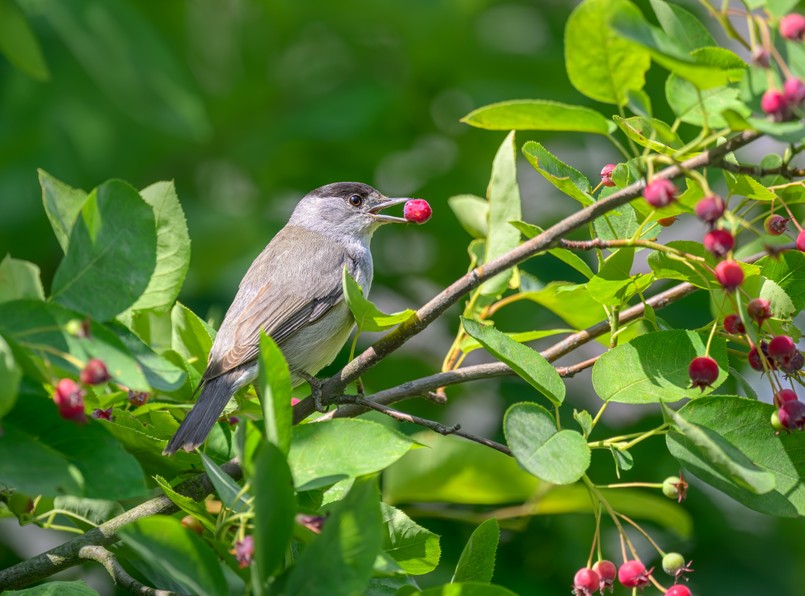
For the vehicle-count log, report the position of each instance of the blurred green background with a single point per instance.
(248, 105)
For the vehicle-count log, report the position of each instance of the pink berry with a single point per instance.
(69, 398)
(792, 26)
(733, 325)
(781, 349)
(730, 275)
(759, 310)
(607, 572)
(794, 90)
(703, 372)
(660, 192)
(719, 242)
(783, 396)
(606, 175)
(585, 582)
(678, 590)
(417, 211)
(801, 241)
(710, 209)
(754, 359)
(94, 373)
(244, 551)
(775, 104)
(792, 415)
(775, 224)
(633, 574)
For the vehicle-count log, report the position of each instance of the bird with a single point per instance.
(293, 292)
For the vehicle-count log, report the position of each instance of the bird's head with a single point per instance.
(345, 208)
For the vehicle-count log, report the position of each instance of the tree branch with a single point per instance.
(336, 384)
(120, 576)
(783, 170)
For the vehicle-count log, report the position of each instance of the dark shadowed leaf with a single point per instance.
(274, 381)
(19, 44)
(10, 376)
(415, 549)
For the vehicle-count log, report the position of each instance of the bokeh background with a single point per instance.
(247, 105)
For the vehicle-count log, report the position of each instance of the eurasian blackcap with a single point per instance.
(292, 291)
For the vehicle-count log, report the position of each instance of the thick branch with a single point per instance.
(120, 576)
(336, 384)
(68, 554)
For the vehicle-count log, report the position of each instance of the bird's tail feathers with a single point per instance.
(204, 414)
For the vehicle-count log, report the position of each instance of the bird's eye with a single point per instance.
(356, 200)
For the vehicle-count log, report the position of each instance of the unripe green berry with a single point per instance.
(672, 562)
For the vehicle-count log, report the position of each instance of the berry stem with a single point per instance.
(637, 527)
(713, 328)
(632, 485)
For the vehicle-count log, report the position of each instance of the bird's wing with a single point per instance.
(281, 294)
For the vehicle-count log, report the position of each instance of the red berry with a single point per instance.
(667, 222)
(759, 310)
(606, 174)
(754, 359)
(585, 582)
(679, 590)
(417, 211)
(719, 242)
(710, 209)
(95, 373)
(734, 325)
(783, 396)
(801, 241)
(781, 349)
(775, 104)
(775, 224)
(792, 26)
(138, 398)
(69, 398)
(794, 90)
(792, 415)
(794, 363)
(607, 572)
(660, 192)
(633, 574)
(703, 372)
(730, 275)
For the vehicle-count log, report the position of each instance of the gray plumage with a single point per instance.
(293, 292)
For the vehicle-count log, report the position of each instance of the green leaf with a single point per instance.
(503, 195)
(340, 560)
(787, 270)
(698, 107)
(723, 457)
(556, 456)
(62, 204)
(468, 589)
(650, 132)
(744, 425)
(19, 279)
(173, 248)
(538, 114)
(18, 43)
(367, 316)
(10, 377)
(571, 302)
(472, 213)
(230, 493)
(274, 380)
(186, 504)
(682, 26)
(274, 511)
(178, 559)
(601, 64)
(567, 179)
(695, 272)
(787, 132)
(705, 67)
(780, 8)
(320, 456)
(585, 421)
(654, 367)
(614, 283)
(155, 88)
(617, 224)
(414, 548)
(62, 457)
(190, 336)
(454, 470)
(566, 256)
(469, 344)
(112, 253)
(477, 560)
(527, 363)
(57, 588)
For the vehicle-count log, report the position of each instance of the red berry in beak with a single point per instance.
(417, 211)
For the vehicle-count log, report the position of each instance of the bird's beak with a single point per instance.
(375, 211)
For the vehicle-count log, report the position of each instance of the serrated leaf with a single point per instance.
(367, 316)
(567, 179)
(477, 560)
(650, 132)
(414, 548)
(527, 363)
(559, 457)
(538, 114)
(698, 107)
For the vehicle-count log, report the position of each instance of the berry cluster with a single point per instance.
(785, 103)
(631, 574)
(69, 395)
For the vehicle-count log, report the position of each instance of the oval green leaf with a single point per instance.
(538, 114)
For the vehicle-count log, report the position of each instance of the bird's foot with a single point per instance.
(315, 391)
